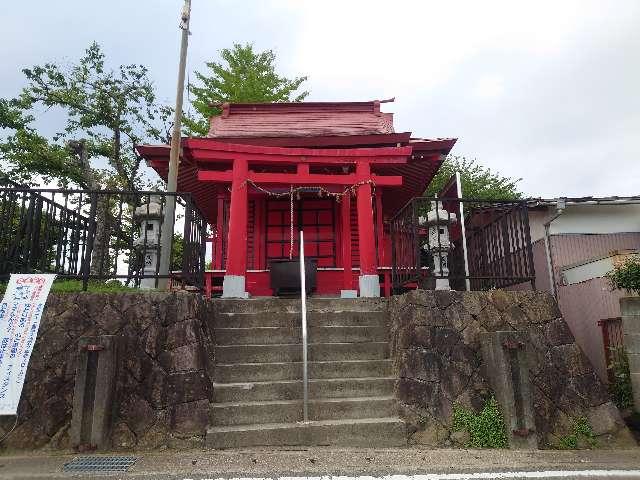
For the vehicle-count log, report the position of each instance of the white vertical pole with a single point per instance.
(303, 296)
(464, 232)
(174, 154)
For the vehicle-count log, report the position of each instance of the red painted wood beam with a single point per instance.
(299, 178)
(207, 156)
(237, 243)
(218, 262)
(215, 176)
(209, 144)
(380, 228)
(328, 141)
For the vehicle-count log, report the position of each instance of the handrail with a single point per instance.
(303, 296)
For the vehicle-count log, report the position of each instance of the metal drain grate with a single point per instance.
(97, 464)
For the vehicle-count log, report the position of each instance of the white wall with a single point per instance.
(598, 219)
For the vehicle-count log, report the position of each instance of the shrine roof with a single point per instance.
(320, 134)
(300, 119)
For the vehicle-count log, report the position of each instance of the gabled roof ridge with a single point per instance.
(229, 108)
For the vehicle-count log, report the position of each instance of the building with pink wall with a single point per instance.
(575, 242)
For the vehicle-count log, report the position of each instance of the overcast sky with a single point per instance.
(546, 91)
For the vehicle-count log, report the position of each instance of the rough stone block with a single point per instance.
(183, 359)
(416, 392)
(557, 332)
(418, 297)
(515, 316)
(188, 387)
(152, 339)
(421, 336)
(137, 413)
(425, 316)
(123, 437)
(502, 300)
(570, 360)
(56, 413)
(190, 418)
(591, 389)
(604, 419)
(421, 365)
(444, 298)
(472, 303)
(154, 386)
(433, 435)
(491, 319)
(540, 307)
(456, 317)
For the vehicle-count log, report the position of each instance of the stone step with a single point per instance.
(279, 305)
(292, 389)
(366, 432)
(280, 335)
(292, 352)
(290, 411)
(264, 372)
(292, 320)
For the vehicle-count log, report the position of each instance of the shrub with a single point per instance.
(486, 429)
(581, 434)
(626, 275)
(620, 386)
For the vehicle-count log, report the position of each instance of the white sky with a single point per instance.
(547, 90)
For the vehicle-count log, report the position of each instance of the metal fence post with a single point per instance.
(91, 233)
(186, 241)
(527, 237)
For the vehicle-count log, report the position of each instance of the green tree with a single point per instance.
(243, 76)
(107, 113)
(110, 110)
(477, 181)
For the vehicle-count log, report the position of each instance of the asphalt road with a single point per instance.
(347, 464)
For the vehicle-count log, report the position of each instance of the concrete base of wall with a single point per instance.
(506, 366)
(233, 286)
(630, 309)
(369, 285)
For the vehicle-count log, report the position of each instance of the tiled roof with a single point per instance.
(305, 119)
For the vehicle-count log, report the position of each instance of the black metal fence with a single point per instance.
(98, 235)
(428, 244)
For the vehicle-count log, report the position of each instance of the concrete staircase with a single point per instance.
(258, 373)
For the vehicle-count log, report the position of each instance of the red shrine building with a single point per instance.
(335, 170)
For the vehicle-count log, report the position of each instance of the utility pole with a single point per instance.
(172, 179)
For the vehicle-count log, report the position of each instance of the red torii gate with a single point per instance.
(242, 157)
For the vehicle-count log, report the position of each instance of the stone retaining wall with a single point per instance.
(165, 378)
(164, 385)
(436, 351)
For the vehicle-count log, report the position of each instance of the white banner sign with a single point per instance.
(20, 313)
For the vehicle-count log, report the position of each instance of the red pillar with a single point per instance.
(380, 229)
(347, 283)
(234, 279)
(369, 282)
(217, 249)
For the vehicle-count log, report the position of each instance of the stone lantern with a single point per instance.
(147, 243)
(438, 222)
